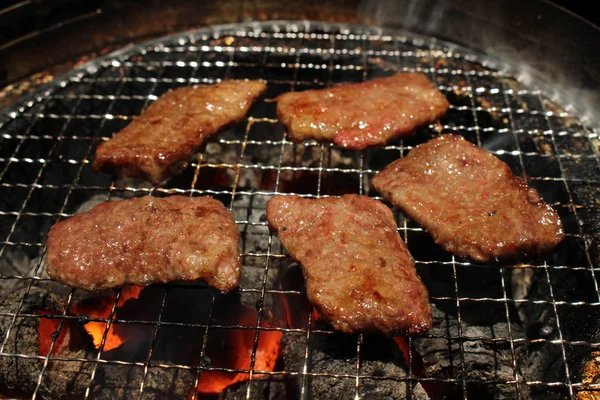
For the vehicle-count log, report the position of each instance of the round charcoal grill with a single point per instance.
(500, 331)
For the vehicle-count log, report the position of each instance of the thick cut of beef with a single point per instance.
(470, 202)
(159, 143)
(360, 115)
(146, 240)
(358, 273)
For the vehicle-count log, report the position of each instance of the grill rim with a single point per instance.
(92, 66)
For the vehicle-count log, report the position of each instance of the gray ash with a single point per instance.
(255, 240)
(17, 261)
(335, 354)
(259, 389)
(19, 376)
(70, 379)
(115, 381)
(544, 360)
(485, 359)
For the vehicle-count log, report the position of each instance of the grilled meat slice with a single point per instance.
(470, 202)
(159, 143)
(358, 273)
(146, 240)
(360, 115)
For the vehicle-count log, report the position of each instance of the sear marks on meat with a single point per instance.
(470, 202)
(360, 115)
(146, 240)
(159, 143)
(358, 273)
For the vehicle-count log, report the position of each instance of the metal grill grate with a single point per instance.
(48, 141)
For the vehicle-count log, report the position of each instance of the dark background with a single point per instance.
(17, 21)
(585, 9)
(36, 35)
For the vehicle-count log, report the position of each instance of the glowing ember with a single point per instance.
(315, 315)
(403, 346)
(235, 352)
(100, 308)
(418, 369)
(46, 328)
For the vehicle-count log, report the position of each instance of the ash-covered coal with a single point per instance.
(19, 376)
(335, 354)
(590, 377)
(260, 389)
(255, 240)
(70, 379)
(21, 258)
(17, 261)
(267, 165)
(309, 159)
(255, 234)
(544, 360)
(114, 381)
(485, 360)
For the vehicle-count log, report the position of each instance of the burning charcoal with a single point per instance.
(95, 201)
(260, 389)
(545, 362)
(233, 348)
(589, 371)
(590, 375)
(19, 376)
(17, 261)
(312, 156)
(484, 360)
(306, 155)
(335, 353)
(255, 239)
(124, 382)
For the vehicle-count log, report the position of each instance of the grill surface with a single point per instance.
(47, 143)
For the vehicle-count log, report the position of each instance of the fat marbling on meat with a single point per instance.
(146, 240)
(160, 142)
(359, 115)
(470, 202)
(358, 272)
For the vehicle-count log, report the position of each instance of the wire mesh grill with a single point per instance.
(516, 313)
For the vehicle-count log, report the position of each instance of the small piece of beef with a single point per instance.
(470, 202)
(358, 273)
(359, 115)
(146, 240)
(159, 143)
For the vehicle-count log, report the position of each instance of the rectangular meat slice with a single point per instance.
(358, 272)
(359, 115)
(146, 240)
(470, 202)
(159, 143)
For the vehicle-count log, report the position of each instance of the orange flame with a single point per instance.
(101, 309)
(315, 315)
(237, 353)
(434, 390)
(46, 328)
(403, 346)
